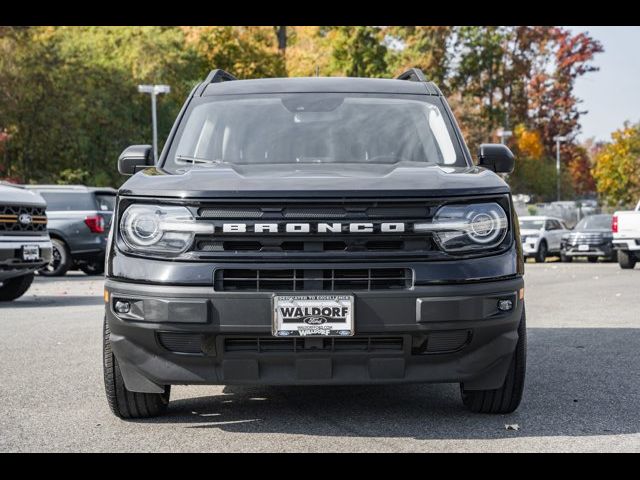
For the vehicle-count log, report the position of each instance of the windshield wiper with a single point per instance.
(198, 160)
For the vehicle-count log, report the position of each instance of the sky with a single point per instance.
(612, 94)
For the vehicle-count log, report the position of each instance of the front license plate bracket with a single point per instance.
(313, 315)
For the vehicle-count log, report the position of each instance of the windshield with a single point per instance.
(314, 128)
(531, 224)
(595, 222)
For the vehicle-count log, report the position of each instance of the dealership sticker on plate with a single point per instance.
(313, 315)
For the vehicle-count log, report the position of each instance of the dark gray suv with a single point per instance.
(314, 231)
(79, 219)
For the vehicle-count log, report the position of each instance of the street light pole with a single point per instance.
(154, 90)
(558, 139)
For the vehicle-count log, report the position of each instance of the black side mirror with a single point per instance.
(134, 158)
(496, 157)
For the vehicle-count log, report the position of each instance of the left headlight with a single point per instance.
(159, 228)
(458, 228)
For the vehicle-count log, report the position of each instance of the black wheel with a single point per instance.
(541, 254)
(565, 258)
(15, 287)
(506, 398)
(92, 268)
(60, 260)
(124, 403)
(592, 259)
(626, 259)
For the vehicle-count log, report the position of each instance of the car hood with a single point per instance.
(528, 231)
(313, 180)
(19, 196)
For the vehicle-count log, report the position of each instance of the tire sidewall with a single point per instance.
(59, 247)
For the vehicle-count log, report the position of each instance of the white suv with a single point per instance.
(541, 236)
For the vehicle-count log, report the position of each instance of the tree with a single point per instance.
(247, 52)
(358, 52)
(424, 47)
(617, 167)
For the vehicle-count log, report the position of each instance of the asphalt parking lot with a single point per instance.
(582, 391)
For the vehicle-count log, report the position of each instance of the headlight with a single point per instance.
(478, 226)
(159, 229)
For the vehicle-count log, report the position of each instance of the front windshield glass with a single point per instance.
(531, 224)
(595, 222)
(314, 128)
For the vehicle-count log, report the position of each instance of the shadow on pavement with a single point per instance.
(579, 382)
(32, 301)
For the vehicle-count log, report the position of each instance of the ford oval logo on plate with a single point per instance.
(314, 320)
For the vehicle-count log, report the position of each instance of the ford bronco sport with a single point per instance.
(314, 231)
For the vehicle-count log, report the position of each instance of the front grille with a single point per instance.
(273, 280)
(298, 344)
(585, 239)
(10, 219)
(318, 244)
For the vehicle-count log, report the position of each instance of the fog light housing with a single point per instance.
(122, 307)
(505, 305)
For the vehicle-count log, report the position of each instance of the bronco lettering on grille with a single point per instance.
(319, 227)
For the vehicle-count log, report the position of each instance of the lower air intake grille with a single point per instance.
(364, 279)
(352, 344)
(181, 342)
(444, 341)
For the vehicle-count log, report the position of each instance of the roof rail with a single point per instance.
(218, 75)
(413, 75)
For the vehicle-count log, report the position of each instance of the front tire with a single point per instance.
(60, 260)
(15, 287)
(505, 399)
(92, 268)
(565, 258)
(125, 403)
(626, 260)
(541, 254)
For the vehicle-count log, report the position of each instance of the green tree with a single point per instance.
(358, 52)
(424, 47)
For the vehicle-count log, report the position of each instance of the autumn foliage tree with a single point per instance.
(69, 102)
(617, 167)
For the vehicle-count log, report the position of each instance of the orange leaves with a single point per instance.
(617, 167)
(529, 142)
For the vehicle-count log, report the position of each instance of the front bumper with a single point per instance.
(602, 250)
(530, 247)
(628, 244)
(194, 335)
(11, 262)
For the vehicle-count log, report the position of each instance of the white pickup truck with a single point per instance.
(626, 236)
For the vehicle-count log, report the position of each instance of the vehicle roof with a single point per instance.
(320, 84)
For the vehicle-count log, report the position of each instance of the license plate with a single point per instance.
(313, 315)
(30, 252)
(583, 248)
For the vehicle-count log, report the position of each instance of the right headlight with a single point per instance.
(477, 226)
(159, 228)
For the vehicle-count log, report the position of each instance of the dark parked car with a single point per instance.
(79, 219)
(314, 231)
(24, 242)
(591, 238)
